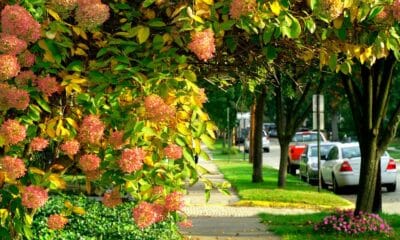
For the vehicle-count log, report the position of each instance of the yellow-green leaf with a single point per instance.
(143, 34)
(275, 8)
(54, 14)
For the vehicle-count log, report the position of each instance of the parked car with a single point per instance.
(265, 142)
(309, 161)
(271, 129)
(297, 146)
(342, 167)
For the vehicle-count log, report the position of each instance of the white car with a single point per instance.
(265, 142)
(342, 165)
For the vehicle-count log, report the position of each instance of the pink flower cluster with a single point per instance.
(112, 199)
(9, 66)
(26, 59)
(56, 222)
(70, 147)
(131, 160)
(186, 224)
(11, 44)
(16, 20)
(24, 77)
(91, 130)
(11, 97)
(116, 139)
(203, 44)
(173, 152)
(345, 221)
(13, 167)
(12, 131)
(64, 6)
(396, 9)
(93, 175)
(48, 85)
(174, 202)
(146, 214)
(241, 7)
(34, 197)
(89, 162)
(91, 14)
(157, 109)
(38, 144)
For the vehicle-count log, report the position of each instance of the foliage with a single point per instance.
(296, 227)
(98, 222)
(349, 223)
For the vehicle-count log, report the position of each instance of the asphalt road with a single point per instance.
(391, 200)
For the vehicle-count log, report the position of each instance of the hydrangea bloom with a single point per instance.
(89, 16)
(157, 109)
(9, 66)
(24, 77)
(116, 139)
(12, 131)
(173, 152)
(241, 7)
(157, 190)
(64, 7)
(34, 197)
(186, 224)
(16, 20)
(159, 211)
(91, 130)
(131, 160)
(174, 201)
(11, 97)
(14, 167)
(48, 85)
(144, 214)
(203, 44)
(26, 59)
(56, 222)
(11, 44)
(89, 162)
(112, 199)
(396, 9)
(38, 144)
(93, 175)
(331, 9)
(87, 2)
(70, 147)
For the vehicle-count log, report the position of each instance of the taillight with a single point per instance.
(391, 165)
(345, 167)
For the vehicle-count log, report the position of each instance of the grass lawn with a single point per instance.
(300, 227)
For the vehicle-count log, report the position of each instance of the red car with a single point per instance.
(298, 145)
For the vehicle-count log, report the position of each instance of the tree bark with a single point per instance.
(258, 128)
(252, 131)
(283, 164)
(335, 126)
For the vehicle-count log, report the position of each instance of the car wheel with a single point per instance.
(267, 150)
(391, 187)
(292, 170)
(336, 188)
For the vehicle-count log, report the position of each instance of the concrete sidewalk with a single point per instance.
(217, 219)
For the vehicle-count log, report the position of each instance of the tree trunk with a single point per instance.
(252, 131)
(258, 128)
(283, 164)
(335, 126)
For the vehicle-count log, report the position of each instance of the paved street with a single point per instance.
(391, 200)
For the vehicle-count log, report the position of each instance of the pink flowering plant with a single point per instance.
(347, 223)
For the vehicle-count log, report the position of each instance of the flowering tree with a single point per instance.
(97, 86)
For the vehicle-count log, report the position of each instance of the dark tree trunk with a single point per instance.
(252, 131)
(335, 126)
(283, 164)
(258, 128)
(369, 95)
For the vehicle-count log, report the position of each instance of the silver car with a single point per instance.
(342, 167)
(309, 161)
(265, 142)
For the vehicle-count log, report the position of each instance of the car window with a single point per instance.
(324, 150)
(351, 152)
(305, 137)
(333, 154)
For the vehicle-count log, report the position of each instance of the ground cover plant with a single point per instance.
(296, 227)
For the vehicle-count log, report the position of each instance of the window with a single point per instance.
(351, 152)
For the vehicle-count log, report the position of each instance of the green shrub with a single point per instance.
(99, 222)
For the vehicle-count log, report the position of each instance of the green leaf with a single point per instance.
(291, 27)
(267, 34)
(375, 11)
(76, 66)
(345, 68)
(34, 112)
(156, 23)
(143, 34)
(310, 25)
(333, 62)
(363, 12)
(227, 25)
(270, 52)
(190, 75)
(187, 155)
(43, 104)
(147, 3)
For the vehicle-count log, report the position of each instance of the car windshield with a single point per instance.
(351, 152)
(324, 150)
(305, 137)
